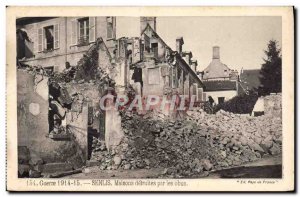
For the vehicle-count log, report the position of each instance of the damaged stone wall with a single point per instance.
(88, 95)
(153, 78)
(273, 105)
(33, 126)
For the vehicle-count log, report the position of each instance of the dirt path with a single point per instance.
(269, 167)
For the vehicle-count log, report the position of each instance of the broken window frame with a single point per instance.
(154, 49)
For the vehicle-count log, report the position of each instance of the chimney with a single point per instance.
(194, 64)
(179, 43)
(147, 20)
(216, 52)
(187, 55)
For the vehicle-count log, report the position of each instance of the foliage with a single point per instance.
(241, 104)
(271, 70)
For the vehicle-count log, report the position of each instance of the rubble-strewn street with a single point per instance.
(134, 103)
(193, 146)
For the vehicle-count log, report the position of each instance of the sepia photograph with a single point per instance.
(151, 100)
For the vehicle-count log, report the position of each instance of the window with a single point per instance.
(221, 100)
(153, 76)
(154, 49)
(174, 78)
(110, 27)
(83, 31)
(48, 38)
(147, 43)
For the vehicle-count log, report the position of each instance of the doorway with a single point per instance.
(221, 100)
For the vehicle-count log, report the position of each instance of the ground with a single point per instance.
(269, 167)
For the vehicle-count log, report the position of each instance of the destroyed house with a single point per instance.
(58, 119)
(59, 113)
(154, 68)
(50, 42)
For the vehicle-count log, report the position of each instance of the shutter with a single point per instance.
(40, 39)
(109, 19)
(92, 29)
(114, 27)
(74, 32)
(56, 36)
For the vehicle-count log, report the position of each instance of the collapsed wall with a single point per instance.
(35, 147)
(195, 145)
(273, 104)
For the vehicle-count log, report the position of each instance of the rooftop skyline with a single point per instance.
(242, 40)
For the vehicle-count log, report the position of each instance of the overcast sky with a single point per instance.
(241, 39)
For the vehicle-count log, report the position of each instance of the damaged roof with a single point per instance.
(178, 56)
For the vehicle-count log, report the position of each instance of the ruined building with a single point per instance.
(221, 82)
(65, 65)
(155, 68)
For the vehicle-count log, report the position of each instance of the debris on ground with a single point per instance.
(192, 146)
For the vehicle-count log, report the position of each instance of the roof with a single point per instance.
(219, 85)
(29, 20)
(249, 79)
(216, 69)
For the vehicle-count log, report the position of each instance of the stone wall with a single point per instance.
(153, 84)
(33, 127)
(273, 104)
(227, 94)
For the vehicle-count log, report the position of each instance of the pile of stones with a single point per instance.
(192, 146)
(29, 163)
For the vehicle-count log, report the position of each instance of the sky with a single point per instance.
(242, 40)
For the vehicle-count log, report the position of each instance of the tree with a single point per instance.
(270, 74)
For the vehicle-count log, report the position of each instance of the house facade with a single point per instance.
(157, 69)
(221, 82)
(51, 42)
(146, 62)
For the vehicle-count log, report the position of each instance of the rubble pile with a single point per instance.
(29, 164)
(193, 146)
